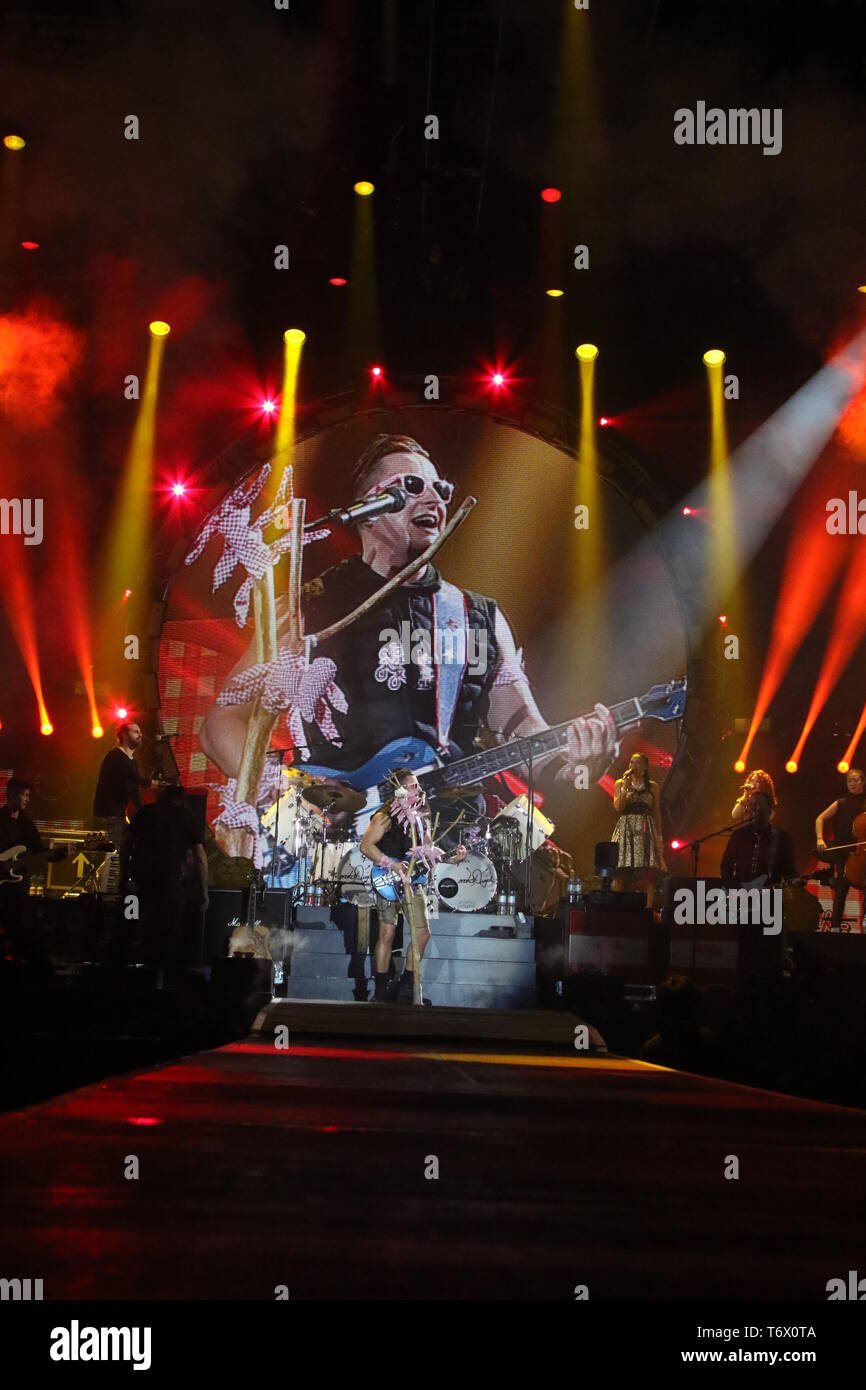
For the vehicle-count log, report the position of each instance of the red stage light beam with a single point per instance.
(811, 567)
(849, 627)
(18, 600)
(848, 755)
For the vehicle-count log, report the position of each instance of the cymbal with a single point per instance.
(334, 798)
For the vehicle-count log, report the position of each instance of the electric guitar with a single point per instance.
(661, 702)
(9, 858)
(389, 884)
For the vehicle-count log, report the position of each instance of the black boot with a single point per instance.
(381, 993)
(405, 988)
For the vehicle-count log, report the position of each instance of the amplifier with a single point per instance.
(624, 943)
(627, 902)
(730, 954)
(88, 868)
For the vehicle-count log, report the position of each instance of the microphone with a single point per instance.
(393, 499)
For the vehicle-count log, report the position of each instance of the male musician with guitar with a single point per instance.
(759, 850)
(398, 840)
(843, 812)
(388, 699)
(17, 830)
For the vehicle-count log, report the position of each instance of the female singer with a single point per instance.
(638, 829)
(757, 783)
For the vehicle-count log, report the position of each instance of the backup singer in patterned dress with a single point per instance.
(638, 829)
(402, 829)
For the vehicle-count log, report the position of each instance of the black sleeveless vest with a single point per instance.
(390, 698)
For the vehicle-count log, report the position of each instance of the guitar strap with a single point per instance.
(450, 619)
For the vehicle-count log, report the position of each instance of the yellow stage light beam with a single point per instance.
(363, 332)
(293, 341)
(724, 563)
(127, 561)
(587, 521)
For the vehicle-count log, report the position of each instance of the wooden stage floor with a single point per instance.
(306, 1168)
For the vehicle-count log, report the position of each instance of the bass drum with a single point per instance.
(355, 885)
(466, 887)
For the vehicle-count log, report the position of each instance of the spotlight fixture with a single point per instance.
(551, 195)
(364, 188)
(268, 407)
(30, 245)
(47, 728)
(714, 357)
(843, 766)
(97, 731)
(739, 765)
(121, 712)
(586, 352)
(723, 618)
(676, 844)
(376, 372)
(603, 421)
(337, 280)
(127, 593)
(159, 328)
(688, 511)
(791, 765)
(14, 142)
(179, 489)
(294, 337)
(554, 294)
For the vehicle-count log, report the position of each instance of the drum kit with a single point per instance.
(315, 851)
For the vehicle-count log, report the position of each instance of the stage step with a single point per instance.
(463, 969)
(463, 996)
(308, 945)
(477, 1024)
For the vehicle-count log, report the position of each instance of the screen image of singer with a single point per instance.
(202, 646)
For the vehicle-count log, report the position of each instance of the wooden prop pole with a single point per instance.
(262, 722)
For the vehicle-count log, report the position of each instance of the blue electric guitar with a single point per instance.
(662, 702)
(388, 883)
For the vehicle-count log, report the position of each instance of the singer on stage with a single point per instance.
(758, 783)
(380, 695)
(638, 830)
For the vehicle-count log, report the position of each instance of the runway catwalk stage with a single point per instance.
(380, 1168)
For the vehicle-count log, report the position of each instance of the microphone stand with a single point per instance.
(695, 845)
(277, 753)
(530, 792)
